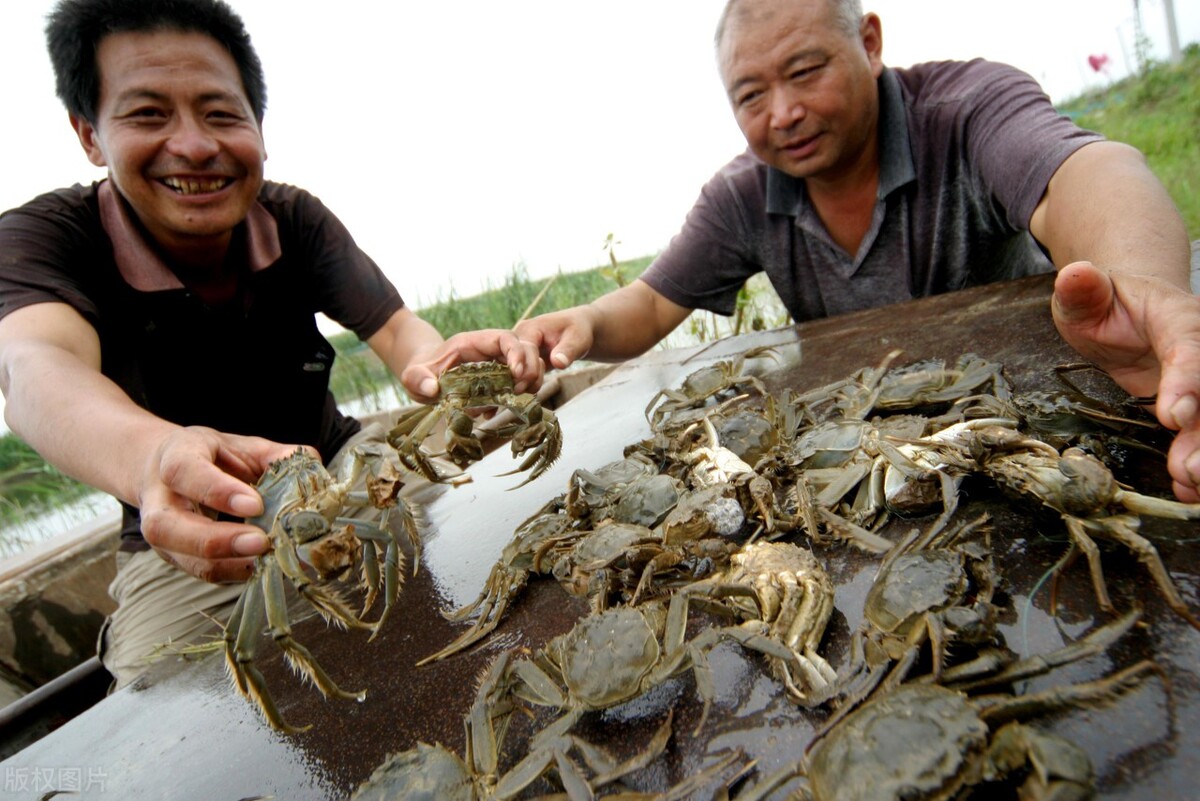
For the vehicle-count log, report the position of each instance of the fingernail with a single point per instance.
(1183, 411)
(246, 505)
(429, 387)
(559, 358)
(251, 544)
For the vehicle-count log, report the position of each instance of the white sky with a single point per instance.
(457, 139)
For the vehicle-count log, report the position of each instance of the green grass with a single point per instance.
(29, 486)
(1158, 112)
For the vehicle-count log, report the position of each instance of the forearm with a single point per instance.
(404, 338)
(628, 322)
(1105, 206)
(77, 419)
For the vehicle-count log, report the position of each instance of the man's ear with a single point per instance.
(88, 139)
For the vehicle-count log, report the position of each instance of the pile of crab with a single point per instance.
(720, 508)
(324, 528)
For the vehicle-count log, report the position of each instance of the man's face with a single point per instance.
(177, 133)
(802, 90)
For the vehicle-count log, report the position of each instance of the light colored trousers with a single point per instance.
(161, 608)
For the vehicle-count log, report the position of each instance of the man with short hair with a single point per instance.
(157, 328)
(865, 185)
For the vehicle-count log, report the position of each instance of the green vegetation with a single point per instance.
(1157, 111)
(30, 487)
(358, 373)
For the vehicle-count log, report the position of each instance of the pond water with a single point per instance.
(16, 538)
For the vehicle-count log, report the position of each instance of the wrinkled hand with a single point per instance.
(197, 469)
(561, 337)
(420, 379)
(1145, 333)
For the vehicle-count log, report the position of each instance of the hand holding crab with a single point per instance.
(301, 503)
(473, 386)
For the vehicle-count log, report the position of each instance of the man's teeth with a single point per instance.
(190, 187)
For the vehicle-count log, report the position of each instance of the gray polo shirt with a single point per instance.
(966, 149)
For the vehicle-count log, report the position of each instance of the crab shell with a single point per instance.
(607, 658)
(918, 742)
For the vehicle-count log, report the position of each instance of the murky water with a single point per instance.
(15, 539)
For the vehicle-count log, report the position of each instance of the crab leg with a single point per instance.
(329, 604)
(297, 655)
(247, 621)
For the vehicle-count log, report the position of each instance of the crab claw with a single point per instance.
(462, 446)
(406, 436)
(541, 438)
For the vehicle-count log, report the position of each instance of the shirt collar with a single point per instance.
(786, 195)
(142, 267)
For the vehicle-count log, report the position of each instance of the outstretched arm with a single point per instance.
(620, 325)
(1122, 297)
(61, 405)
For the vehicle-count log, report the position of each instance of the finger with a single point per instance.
(219, 571)
(1083, 296)
(247, 458)
(189, 534)
(572, 345)
(201, 481)
(1183, 462)
(524, 362)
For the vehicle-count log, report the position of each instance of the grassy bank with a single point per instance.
(1158, 112)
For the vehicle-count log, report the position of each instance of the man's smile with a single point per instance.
(195, 186)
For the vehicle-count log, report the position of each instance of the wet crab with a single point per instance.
(1075, 484)
(617, 655)
(704, 384)
(930, 742)
(434, 771)
(301, 504)
(478, 385)
(934, 587)
(710, 464)
(781, 593)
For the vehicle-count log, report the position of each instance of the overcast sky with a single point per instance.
(458, 139)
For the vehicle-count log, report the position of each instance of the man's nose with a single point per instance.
(787, 108)
(191, 140)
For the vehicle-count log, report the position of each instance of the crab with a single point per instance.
(782, 594)
(929, 743)
(602, 564)
(934, 587)
(614, 656)
(705, 384)
(1092, 504)
(505, 581)
(301, 505)
(472, 386)
(711, 464)
(434, 771)
(1077, 485)
(932, 742)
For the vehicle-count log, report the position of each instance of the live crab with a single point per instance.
(302, 504)
(478, 385)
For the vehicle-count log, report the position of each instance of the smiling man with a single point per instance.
(865, 185)
(158, 337)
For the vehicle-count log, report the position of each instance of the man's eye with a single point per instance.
(747, 98)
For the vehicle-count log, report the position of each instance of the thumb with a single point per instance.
(420, 382)
(1083, 295)
(573, 345)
